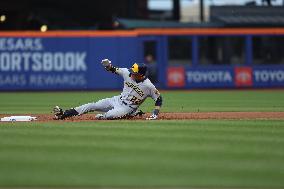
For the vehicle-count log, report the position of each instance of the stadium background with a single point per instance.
(224, 46)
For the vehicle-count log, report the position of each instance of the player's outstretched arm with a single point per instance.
(108, 66)
(156, 111)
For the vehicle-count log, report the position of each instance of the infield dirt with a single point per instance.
(179, 116)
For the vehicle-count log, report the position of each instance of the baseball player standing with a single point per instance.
(137, 87)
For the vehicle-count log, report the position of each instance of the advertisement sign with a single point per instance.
(63, 63)
(176, 77)
(268, 76)
(206, 78)
(73, 63)
(226, 77)
(243, 77)
(43, 63)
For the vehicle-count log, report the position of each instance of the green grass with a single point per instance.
(185, 153)
(162, 153)
(174, 101)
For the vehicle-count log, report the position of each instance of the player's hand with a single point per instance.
(152, 117)
(106, 62)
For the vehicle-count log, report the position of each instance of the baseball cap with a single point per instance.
(138, 68)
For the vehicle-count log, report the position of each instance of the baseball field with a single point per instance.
(204, 139)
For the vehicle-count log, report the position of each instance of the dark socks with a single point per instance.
(69, 113)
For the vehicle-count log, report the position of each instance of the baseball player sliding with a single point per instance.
(137, 87)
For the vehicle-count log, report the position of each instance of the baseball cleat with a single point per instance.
(58, 113)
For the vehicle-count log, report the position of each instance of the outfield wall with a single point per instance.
(71, 60)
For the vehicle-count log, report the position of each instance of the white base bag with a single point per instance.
(19, 118)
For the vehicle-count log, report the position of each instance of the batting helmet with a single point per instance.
(138, 68)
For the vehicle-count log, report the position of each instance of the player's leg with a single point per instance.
(126, 115)
(117, 112)
(102, 105)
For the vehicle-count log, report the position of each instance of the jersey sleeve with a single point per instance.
(123, 72)
(154, 93)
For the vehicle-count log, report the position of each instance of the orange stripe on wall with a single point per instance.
(213, 31)
(141, 32)
(68, 34)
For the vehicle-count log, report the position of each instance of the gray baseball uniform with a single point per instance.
(133, 95)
